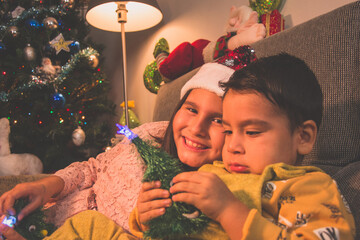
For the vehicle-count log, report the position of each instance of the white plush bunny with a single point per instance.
(15, 164)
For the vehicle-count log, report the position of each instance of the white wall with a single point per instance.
(184, 20)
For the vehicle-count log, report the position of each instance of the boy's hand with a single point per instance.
(204, 190)
(152, 202)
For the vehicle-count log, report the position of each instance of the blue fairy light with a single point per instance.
(124, 130)
(33, 23)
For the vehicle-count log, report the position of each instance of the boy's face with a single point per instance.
(257, 134)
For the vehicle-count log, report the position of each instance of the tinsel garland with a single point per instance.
(65, 70)
(265, 6)
(34, 12)
(161, 166)
(69, 66)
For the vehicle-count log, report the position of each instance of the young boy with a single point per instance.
(272, 110)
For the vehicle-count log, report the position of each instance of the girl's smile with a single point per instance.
(194, 145)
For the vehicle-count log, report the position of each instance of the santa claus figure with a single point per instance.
(47, 71)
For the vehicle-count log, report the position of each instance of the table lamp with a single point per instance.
(110, 15)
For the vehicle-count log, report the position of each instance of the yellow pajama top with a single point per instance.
(286, 202)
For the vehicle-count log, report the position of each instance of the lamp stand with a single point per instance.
(122, 19)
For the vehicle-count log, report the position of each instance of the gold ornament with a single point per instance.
(14, 31)
(50, 23)
(93, 60)
(78, 136)
(44, 232)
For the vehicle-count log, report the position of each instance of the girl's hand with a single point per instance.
(152, 202)
(33, 191)
(38, 193)
(8, 232)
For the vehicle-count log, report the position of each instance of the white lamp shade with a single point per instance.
(141, 15)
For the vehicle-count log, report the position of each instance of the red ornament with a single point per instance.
(274, 22)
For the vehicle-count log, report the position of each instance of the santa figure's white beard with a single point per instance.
(48, 68)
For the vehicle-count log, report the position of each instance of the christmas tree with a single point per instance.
(52, 88)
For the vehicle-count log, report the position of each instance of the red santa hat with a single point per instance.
(210, 74)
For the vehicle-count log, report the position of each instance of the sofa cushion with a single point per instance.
(8, 182)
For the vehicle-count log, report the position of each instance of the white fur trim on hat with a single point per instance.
(208, 77)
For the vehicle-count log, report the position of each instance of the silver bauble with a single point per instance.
(50, 23)
(14, 31)
(78, 136)
(29, 53)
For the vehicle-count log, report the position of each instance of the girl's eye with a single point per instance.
(218, 120)
(193, 110)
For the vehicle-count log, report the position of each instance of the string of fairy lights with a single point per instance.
(89, 53)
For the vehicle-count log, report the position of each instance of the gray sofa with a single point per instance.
(329, 44)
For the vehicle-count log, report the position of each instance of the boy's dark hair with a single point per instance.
(287, 82)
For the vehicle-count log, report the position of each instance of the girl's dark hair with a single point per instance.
(168, 143)
(285, 81)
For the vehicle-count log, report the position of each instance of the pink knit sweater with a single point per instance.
(109, 183)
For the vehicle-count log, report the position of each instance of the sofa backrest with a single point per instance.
(168, 97)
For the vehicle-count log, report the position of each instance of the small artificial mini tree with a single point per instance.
(180, 219)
